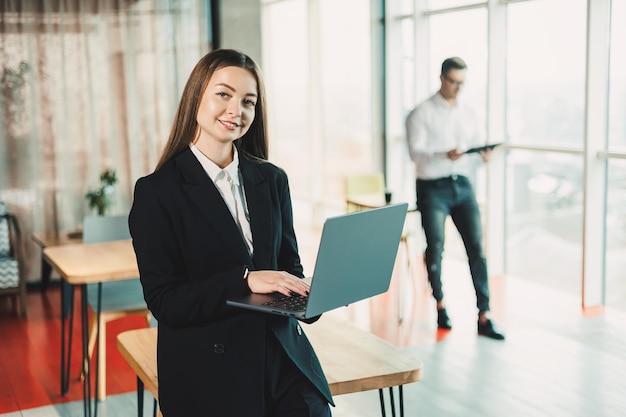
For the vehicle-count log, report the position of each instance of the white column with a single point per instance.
(315, 118)
(496, 131)
(594, 182)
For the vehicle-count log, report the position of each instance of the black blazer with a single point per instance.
(191, 258)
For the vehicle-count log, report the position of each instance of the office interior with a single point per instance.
(90, 86)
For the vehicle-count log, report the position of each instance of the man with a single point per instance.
(439, 131)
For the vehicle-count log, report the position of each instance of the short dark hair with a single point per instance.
(452, 63)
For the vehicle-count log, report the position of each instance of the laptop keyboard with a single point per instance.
(290, 303)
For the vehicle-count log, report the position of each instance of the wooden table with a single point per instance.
(353, 360)
(44, 240)
(81, 264)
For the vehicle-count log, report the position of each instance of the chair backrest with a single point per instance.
(105, 228)
(5, 233)
(372, 183)
(117, 295)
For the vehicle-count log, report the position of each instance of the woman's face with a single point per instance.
(227, 107)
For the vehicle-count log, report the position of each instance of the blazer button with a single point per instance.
(299, 329)
(218, 348)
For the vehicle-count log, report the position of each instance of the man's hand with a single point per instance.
(486, 155)
(454, 154)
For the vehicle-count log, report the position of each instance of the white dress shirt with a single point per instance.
(228, 182)
(433, 128)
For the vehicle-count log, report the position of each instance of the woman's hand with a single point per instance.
(265, 282)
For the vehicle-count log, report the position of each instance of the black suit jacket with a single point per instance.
(191, 258)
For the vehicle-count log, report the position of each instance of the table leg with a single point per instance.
(382, 402)
(67, 309)
(139, 397)
(392, 401)
(46, 273)
(96, 350)
(85, 341)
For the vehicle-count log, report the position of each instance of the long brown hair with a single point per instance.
(184, 129)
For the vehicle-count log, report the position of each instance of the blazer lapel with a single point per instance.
(202, 192)
(258, 197)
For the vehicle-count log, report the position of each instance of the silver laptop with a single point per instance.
(355, 261)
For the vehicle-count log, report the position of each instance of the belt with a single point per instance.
(453, 177)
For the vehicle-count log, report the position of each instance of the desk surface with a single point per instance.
(353, 359)
(96, 262)
(62, 238)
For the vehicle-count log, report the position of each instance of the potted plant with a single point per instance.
(100, 198)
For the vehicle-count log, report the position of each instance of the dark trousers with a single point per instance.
(453, 196)
(288, 393)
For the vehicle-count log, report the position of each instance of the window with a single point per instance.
(617, 90)
(546, 73)
(445, 4)
(287, 76)
(319, 84)
(544, 218)
(615, 245)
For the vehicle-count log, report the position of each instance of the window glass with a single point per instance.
(404, 6)
(546, 72)
(407, 68)
(319, 91)
(616, 234)
(616, 195)
(544, 218)
(617, 90)
(400, 77)
(285, 68)
(444, 4)
(346, 94)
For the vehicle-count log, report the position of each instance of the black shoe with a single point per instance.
(488, 329)
(443, 321)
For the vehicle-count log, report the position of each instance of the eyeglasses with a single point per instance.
(454, 82)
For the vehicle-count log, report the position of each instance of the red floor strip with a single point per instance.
(30, 358)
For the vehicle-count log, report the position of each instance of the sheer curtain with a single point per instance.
(87, 86)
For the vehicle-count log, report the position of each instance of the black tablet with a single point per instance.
(483, 148)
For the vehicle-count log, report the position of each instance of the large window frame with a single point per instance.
(595, 152)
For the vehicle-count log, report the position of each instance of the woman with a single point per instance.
(214, 221)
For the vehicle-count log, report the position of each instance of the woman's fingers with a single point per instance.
(292, 284)
(277, 281)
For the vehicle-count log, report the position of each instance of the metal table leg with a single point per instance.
(85, 342)
(67, 309)
(392, 401)
(139, 397)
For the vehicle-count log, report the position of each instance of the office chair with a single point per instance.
(119, 298)
(366, 191)
(11, 281)
(366, 186)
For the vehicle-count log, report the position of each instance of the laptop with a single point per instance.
(355, 260)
